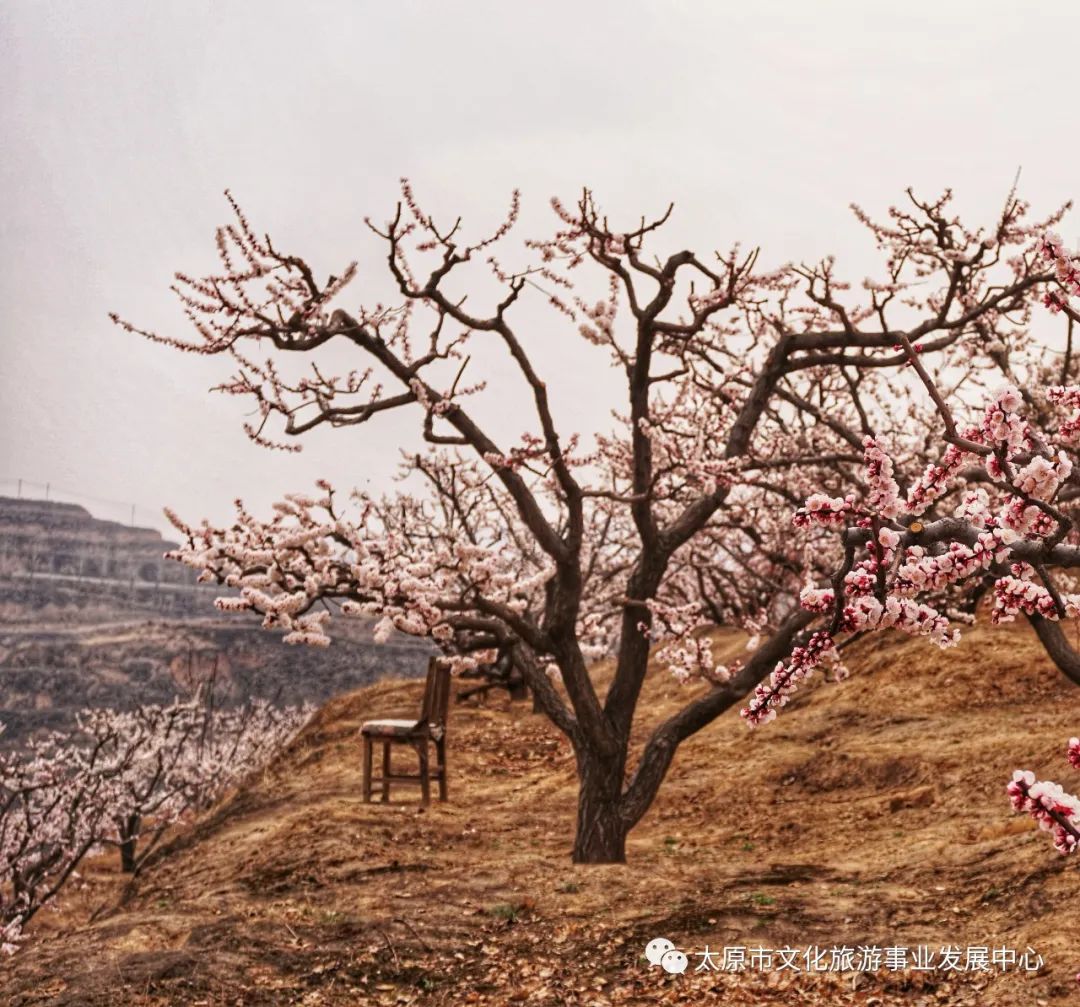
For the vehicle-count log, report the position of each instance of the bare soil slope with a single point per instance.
(872, 812)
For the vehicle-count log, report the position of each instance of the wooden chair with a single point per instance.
(431, 726)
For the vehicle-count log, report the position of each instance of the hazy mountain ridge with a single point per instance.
(91, 614)
(46, 536)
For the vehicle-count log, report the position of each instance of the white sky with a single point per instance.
(121, 122)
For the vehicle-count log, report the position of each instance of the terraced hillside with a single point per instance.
(91, 614)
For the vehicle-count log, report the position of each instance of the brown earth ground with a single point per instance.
(872, 812)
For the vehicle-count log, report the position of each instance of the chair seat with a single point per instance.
(391, 728)
(390, 733)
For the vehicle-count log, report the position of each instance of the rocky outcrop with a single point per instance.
(91, 614)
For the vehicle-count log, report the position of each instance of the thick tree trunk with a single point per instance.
(1057, 645)
(129, 837)
(601, 827)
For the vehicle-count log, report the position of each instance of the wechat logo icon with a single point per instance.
(660, 951)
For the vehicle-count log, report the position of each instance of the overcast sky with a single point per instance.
(122, 122)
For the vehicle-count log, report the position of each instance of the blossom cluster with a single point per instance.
(771, 696)
(1055, 811)
(685, 647)
(1066, 270)
(392, 562)
(903, 584)
(824, 511)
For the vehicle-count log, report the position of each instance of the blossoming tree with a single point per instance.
(53, 805)
(743, 391)
(119, 778)
(167, 761)
(994, 514)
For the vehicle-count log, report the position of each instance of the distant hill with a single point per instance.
(59, 563)
(91, 614)
(43, 536)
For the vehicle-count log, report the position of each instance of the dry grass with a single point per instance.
(871, 812)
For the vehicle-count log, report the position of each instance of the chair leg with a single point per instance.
(367, 768)
(440, 752)
(386, 771)
(425, 772)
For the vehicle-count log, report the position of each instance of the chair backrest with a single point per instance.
(436, 693)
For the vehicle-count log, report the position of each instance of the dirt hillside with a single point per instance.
(871, 813)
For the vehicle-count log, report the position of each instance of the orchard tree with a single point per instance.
(994, 514)
(147, 746)
(744, 390)
(53, 807)
(119, 778)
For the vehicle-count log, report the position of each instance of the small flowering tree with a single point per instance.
(994, 514)
(53, 806)
(744, 390)
(167, 761)
(118, 779)
(1008, 483)
(1055, 810)
(145, 746)
(1009, 529)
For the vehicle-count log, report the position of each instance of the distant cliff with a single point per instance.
(60, 564)
(42, 536)
(91, 614)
